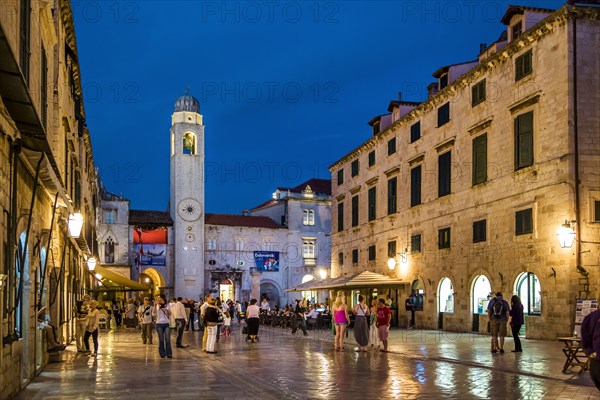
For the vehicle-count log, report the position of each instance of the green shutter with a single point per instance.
(480, 159)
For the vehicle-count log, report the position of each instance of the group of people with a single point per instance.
(371, 324)
(499, 314)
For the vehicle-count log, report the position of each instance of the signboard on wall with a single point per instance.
(266, 260)
(151, 254)
(583, 308)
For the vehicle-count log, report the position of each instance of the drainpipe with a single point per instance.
(573, 14)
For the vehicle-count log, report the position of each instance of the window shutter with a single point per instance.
(392, 195)
(355, 211)
(340, 218)
(444, 162)
(524, 140)
(372, 203)
(415, 186)
(480, 159)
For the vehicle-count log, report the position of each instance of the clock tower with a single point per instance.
(187, 197)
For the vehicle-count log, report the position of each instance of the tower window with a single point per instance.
(109, 251)
(189, 143)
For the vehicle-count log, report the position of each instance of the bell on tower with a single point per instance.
(189, 143)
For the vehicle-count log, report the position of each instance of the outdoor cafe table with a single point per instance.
(573, 352)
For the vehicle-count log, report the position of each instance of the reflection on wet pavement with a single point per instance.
(421, 366)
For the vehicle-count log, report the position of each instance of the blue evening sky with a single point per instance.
(286, 88)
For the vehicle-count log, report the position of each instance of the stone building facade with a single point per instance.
(47, 174)
(466, 190)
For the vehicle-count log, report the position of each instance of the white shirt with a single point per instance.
(178, 310)
(162, 316)
(203, 308)
(313, 313)
(265, 306)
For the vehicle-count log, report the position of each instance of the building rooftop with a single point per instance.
(513, 10)
(149, 218)
(241, 220)
(318, 186)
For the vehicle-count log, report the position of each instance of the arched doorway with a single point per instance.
(310, 295)
(529, 290)
(226, 290)
(445, 300)
(480, 297)
(269, 291)
(418, 291)
(154, 280)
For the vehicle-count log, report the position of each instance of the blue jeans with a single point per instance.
(164, 340)
(180, 323)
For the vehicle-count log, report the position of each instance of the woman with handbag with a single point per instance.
(163, 321)
(341, 320)
(252, 320)
(212, 318)
(361, 324)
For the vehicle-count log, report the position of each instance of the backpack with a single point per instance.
(498, 309)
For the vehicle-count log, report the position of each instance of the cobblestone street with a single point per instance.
(421, 365)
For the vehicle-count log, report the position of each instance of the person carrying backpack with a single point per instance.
(498, 311)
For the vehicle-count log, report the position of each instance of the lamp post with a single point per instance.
(323, 274)
(75, 223)
(391, 263)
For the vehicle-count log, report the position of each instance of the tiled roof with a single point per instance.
(318, 186)
(241, 220)
(266, 203)
(396, 103)
(513, 10)
(148, 218)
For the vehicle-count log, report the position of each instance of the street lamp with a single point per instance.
(98, 276)
(566, 235)
(75, 223)
(391, 263)
(323, 274)
(91, 263)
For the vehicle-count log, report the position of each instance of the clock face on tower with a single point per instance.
(189, 210)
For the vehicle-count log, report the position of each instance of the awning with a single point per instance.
(112, 280)
(366, 279)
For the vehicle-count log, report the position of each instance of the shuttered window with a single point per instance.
(524, 140)
(415, 244)
(443, 114)
(392, 249)
(44, 87)
(355, 211)
(371, 158)
(478, 93)
(355, 256)
(340, 177)
(444, 238)
(372, 204)
(25, 38)
(444, 174)
(524, 222)
(372, 253)
(354, 168)
(391, 146)
(480, 159)
(415, 132)
(340, 259)
(479, 231)
(340, 217)
(523, 65)
(392, 195)
(415, 186)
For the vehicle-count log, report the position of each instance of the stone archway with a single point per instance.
(271, 292)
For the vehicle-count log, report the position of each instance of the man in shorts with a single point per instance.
(384, 318)
(498, 312)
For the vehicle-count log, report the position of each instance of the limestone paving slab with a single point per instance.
(421, 365)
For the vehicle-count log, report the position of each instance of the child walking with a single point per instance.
(227, 324)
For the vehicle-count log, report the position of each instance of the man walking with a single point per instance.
(146, 315)
(81, 313)
(299, 320)
(203, 308)
(590, 341)
(410, 308)
(384, 319)
(498, 311)
(181, 319)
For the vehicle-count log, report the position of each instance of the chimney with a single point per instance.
(432, 89)
(245, 213)
(482, 47)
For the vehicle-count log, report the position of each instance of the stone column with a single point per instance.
(255, 289)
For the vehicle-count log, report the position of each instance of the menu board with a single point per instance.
(584, 307)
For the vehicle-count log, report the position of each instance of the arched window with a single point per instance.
(446, 296)
(310, 295)
(308, 217)
(189, 143)
(109, 251)
(308, 249)
(481, 294)
(417, 292)
(527, 287)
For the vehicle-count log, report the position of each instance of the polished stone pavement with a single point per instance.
(421, 365)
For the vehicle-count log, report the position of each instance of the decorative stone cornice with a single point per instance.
(416, 159)
(355, 189)
(481, 125)
(445, 144)
(525, 102)
(392, 171)
(535, 33)
(372, 181)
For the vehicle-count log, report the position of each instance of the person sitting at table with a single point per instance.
(590, 342)
(52, 345)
